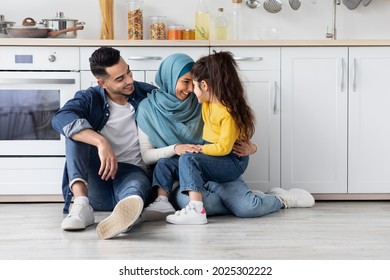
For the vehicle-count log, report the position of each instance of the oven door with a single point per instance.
(28, 101)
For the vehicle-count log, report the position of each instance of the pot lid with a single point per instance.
(3, 21)
(29, 23)
(60, 17)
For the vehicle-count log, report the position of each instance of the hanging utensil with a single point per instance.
(351, 4)
(294, 4)
(272, 6)
(253, 4)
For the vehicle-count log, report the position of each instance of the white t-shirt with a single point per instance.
(122, 133)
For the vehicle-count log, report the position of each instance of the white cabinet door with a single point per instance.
(263, 91)
(314, 119)
(260, 73)
(369, 117)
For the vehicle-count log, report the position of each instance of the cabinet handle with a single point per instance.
(354, 75)
(25, 81)
(342, 74)
(275, 98)
(237, 58)
(145, 58)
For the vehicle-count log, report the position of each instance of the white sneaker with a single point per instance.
(158, 210)
(124, 215)
(188, 216)
(80, 216)
(293, 198)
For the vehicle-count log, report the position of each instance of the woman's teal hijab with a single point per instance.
(162, 116)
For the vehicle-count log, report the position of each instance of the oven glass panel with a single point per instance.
(27, 114)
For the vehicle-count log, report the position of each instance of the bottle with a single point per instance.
(236, 20)
(221, 25)
(202, 21)
(135, 20)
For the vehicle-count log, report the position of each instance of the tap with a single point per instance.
(332, 34)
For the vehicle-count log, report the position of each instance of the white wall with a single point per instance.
(309, 22)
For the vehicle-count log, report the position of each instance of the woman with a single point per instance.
(170, 124)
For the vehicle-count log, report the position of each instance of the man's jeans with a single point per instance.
(83, 163)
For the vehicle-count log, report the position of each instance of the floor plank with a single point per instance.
(342, 230)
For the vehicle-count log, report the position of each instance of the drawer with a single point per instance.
(144, 58)
(31, 176)
(255, 58)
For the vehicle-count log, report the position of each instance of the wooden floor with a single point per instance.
(330, 230)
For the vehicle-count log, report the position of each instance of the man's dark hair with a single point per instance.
(101, 59)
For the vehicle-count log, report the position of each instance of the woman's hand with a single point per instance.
(187, 148)
(244, 148)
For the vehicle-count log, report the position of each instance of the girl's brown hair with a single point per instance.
(219, 71)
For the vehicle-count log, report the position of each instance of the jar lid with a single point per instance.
(237, 1)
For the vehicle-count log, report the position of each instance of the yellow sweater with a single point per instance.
(219, 129)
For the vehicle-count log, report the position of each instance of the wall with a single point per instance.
(308, 22)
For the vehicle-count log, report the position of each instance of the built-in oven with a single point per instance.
(34, 83)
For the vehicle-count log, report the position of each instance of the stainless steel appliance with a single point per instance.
(34, 84)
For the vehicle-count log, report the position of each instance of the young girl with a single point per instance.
(227, 118)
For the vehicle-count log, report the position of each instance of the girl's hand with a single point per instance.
(244, 148)
(187, 148)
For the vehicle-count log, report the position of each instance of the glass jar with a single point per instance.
(188, 34)
(158, 29)
(175, 32)
(135, 20)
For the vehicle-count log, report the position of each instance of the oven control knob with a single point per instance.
(52, 58)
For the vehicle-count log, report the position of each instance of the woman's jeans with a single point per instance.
(83, 162)
(230, 198)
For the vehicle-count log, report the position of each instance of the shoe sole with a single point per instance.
(124, 215)
(187, 222)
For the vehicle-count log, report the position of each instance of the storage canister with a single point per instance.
(175, 32)
(135, 20)
(158, 29)
(188, 34)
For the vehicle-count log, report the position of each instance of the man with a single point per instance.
(104, 168)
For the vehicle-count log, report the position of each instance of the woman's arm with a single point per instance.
(151, 154)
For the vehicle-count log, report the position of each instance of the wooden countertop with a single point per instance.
(185, 43)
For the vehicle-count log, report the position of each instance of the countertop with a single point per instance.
(187, 43)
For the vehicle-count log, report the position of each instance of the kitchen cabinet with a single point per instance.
(314, 119)
(335, 104)
(369, 115)
(259, 69)
(143, 61)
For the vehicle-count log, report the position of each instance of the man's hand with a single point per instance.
(108, 161)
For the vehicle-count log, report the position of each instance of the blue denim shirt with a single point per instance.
(89, 109)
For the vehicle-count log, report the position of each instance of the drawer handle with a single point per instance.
(248, 58)
(38, 81)
(145, 58)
